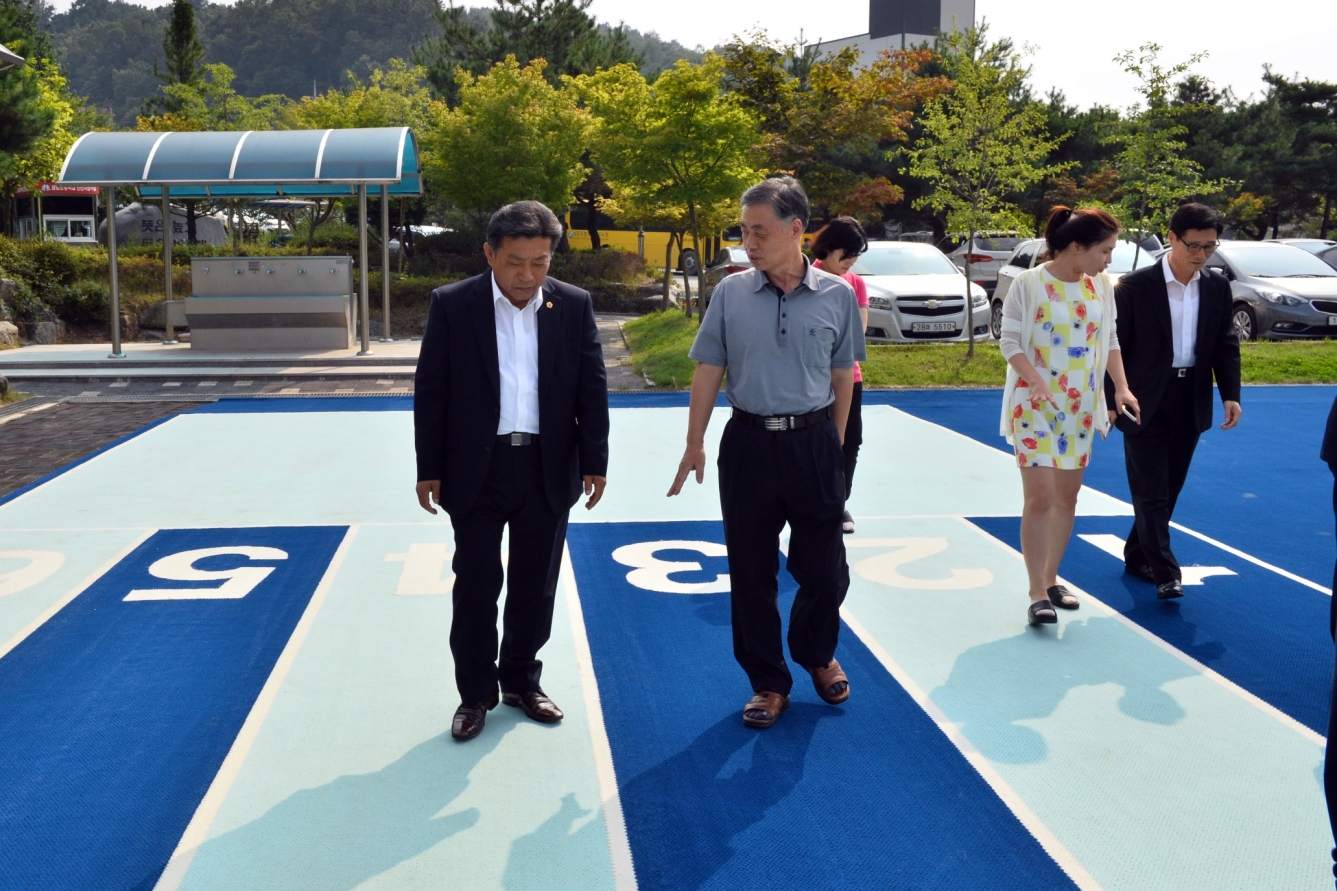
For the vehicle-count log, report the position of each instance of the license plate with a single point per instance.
(1332, 320)
(933, 326)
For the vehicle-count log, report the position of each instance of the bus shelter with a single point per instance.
(252, 164)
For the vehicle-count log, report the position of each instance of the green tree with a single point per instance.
(680, 143)
(512, 137)
(1154, 172)
(980, 150)
(560, 32)
(181, 47)
(393, 97)
(25, 117)
(830, 121)
(1311, 109)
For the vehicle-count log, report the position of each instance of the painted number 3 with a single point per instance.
(653, 574)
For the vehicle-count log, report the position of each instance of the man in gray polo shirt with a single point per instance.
(788, 335)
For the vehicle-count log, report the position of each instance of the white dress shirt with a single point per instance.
(1183, 315)
(517, 361)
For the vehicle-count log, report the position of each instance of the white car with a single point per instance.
(915, 294)
(419, 232)
(1127, 257)
(987, 254)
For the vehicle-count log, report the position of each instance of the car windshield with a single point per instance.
(1276, 261)
(1122, 261)
(904, 259)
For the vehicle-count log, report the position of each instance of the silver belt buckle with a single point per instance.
(517, 439)
(778, 423)
(1183, 372)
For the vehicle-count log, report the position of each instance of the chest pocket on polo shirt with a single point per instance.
(817, 345)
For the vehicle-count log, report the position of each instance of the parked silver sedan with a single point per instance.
(987, 254)
(1127, 257)
(1280, 291)
(915, 294)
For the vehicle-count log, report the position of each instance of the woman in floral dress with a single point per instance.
(1059, 340)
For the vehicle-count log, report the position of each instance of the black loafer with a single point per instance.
(1169, 590)
(536, 705)
(1142, 571)
(470, 718)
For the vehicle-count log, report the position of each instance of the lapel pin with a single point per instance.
(548, 304)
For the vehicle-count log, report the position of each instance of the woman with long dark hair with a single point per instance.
(835, 249)
(1059, 340)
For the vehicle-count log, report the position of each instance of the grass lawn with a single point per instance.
(12, 396)
(659, 343)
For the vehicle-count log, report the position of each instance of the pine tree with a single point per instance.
(181, 46)
(23, 118)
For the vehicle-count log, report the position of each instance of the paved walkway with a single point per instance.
(43, 436)
(155, 371)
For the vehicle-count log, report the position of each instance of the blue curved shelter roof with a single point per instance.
(248, 164)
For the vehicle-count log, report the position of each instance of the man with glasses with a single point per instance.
(1176, 334)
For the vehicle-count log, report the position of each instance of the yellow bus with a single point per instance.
(649, 243)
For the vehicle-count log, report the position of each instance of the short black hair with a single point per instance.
(1195, 216)
(784, 194)
(843, 234)
(523, 219)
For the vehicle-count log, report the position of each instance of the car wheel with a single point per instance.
(1246, 324)
(689, 263)
(996, 319)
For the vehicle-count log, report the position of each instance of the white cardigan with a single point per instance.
(1023, 298)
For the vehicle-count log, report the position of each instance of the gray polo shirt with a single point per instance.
(779, 349)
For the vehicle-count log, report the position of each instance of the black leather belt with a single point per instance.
(782, 422)
(517, 439)
(1183, 372)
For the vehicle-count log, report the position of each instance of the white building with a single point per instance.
(898, 24)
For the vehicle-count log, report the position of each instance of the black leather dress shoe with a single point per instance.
(470, 718)
(1142, 571)
(536, 705)
(1169, 590)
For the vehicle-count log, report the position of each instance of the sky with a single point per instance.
(1072, 44)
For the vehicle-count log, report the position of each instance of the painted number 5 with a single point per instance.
(652, 573)
(237, 582)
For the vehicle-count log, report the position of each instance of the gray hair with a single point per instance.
(523, 219)
(784, 194)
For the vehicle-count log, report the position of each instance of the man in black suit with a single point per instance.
(510, 418)
(1176, 332)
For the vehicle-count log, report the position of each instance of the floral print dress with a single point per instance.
(1063, 342)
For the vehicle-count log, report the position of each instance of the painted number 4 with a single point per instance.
(237, 582)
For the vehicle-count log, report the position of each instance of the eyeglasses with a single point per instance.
(1208, 249)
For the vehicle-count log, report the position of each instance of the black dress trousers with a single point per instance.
(513, 495)
(853, 437)
(1157, 459)
(769, 478)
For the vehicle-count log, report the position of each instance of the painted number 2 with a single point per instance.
(237, 582)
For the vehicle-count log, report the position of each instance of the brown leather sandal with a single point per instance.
(764, 709)
(827, 679)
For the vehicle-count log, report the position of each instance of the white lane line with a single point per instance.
(75, 592)
(1053, 847)
(28, 411)
(1262, 705)
(1254, 560)
(1189, 575)
(195, 833)
(619, 848)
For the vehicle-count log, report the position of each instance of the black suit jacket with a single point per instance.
(457, 393)
(1146, 343)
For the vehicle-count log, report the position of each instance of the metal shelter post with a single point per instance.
(167, 266)
(114, 280)
(364, 304)
(385, 263)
